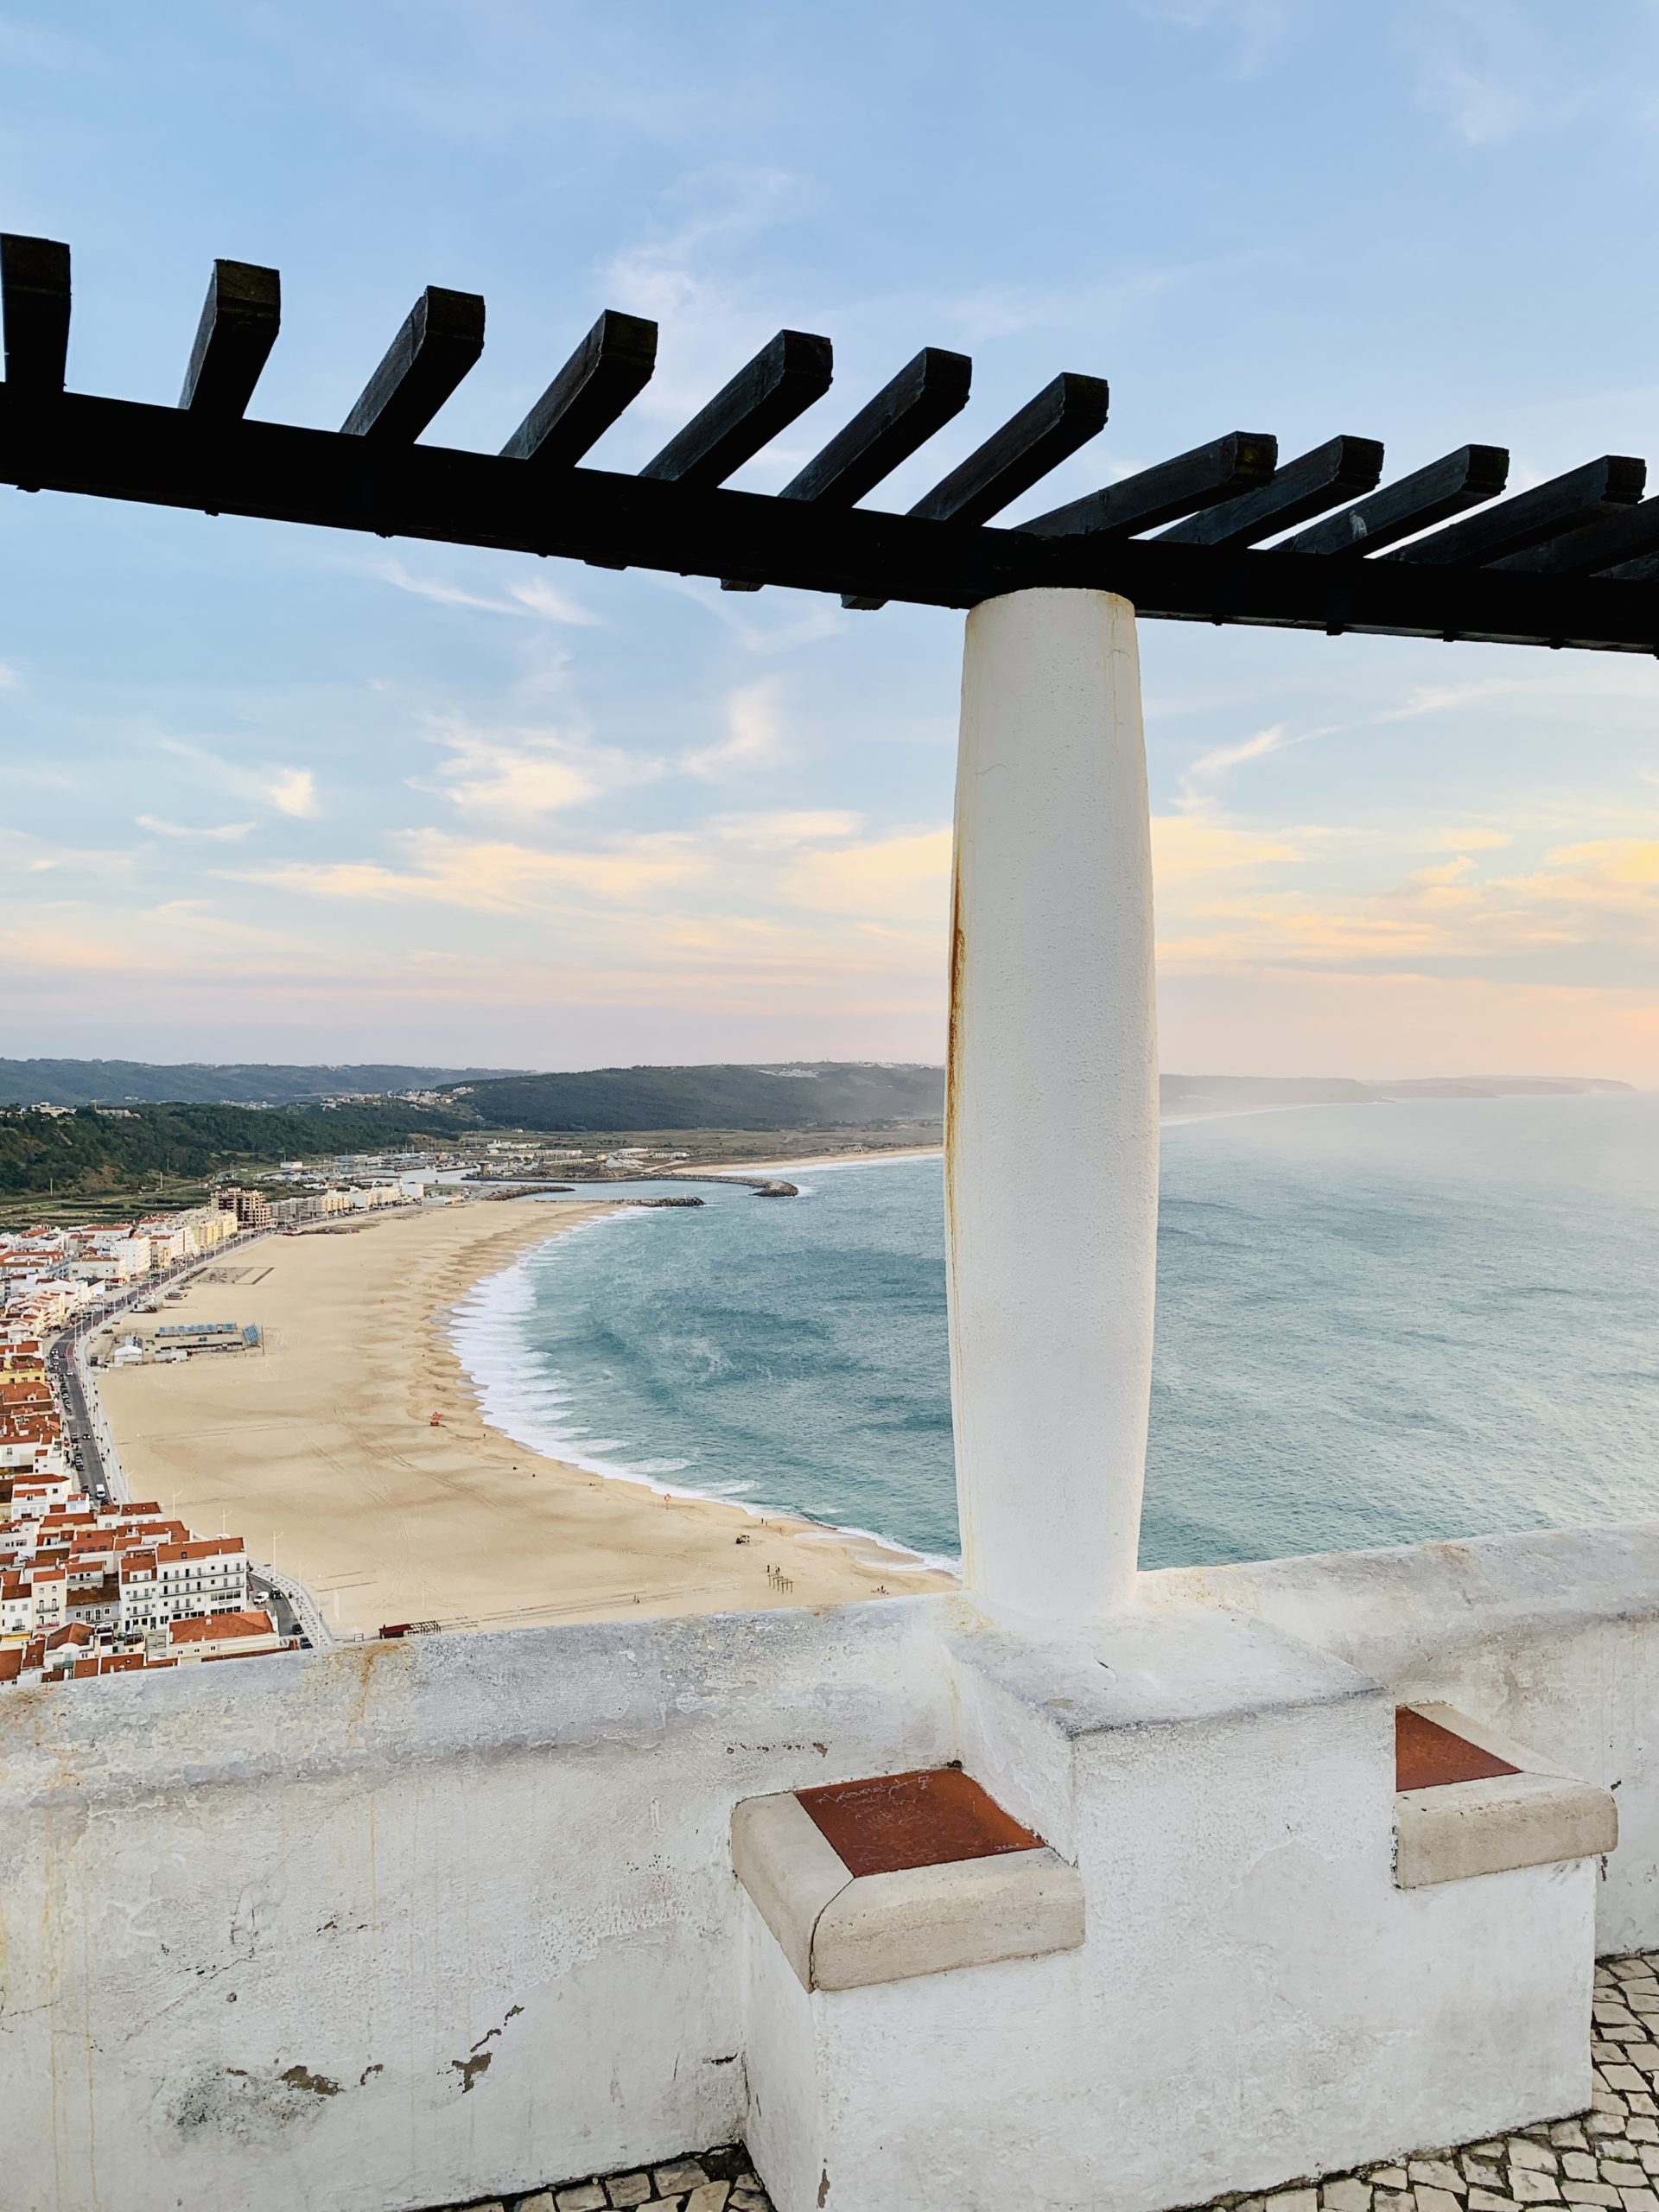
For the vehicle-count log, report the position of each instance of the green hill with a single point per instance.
(87, 1152)
(794, 1095)
(203, 1082)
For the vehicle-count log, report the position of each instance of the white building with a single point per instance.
(182, 1581)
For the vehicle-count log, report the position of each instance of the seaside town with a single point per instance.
(91, 1582)
(855, 1136)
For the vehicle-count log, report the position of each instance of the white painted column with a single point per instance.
(1051, 1114)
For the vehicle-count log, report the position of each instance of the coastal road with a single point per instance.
(80, 1430)
(100, 1482)
(87, 1457)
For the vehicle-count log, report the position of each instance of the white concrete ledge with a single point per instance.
(969, 1912)
(1398, 1613)
(1453, 1831)
(839, 1930)
(791, 1871)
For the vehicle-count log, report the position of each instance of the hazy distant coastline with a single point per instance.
(723, 1095)
(1194, 1095)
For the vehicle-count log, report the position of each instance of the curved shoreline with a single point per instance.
(880, 1553)
(325, 1443)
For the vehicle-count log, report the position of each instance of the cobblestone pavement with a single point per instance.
(712, 2181)
(1609, 2156)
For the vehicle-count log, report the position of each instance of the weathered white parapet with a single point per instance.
(454, 1918)
(1052, 1114)
(1243, 1986)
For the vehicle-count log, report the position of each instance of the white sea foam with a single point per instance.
(1462, 1296)
(526, 1400)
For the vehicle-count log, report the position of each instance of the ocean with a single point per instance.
(1376, 1325)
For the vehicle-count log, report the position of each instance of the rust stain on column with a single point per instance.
(953, 1047)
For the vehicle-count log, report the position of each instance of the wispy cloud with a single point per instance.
(1588, 912)
(224, 833)
(899, 879)
(1256, 30)
(293, 792)
(518, 783)
(763, 622)
(515, 771)
(1490, 73)
(684, 274)
(23, 855)
(533, 596)
(290, 791)
(755, 736)
(786, 832)
(489, 878)
(1209, 766)
(1465, 841)
(1185, 848)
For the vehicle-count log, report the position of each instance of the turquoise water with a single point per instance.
(1376, 1325)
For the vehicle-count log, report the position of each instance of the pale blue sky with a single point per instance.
(281, 794)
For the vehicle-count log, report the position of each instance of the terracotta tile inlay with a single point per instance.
(926, 1818)
(1426, 1755)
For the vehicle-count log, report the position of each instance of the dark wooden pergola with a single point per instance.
(1435, 554)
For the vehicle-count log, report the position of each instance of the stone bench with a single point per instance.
(904, 1874)
(1469, 1801)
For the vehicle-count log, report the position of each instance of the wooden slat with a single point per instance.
(34, 300)
(923, 396)
(903, 414)
(1583, 495)
(1221, 470)
(1644, 571)
(1327, 476)
(439, 341)
(781, 382)
(1462, 480)
(1621, 541)
(74, 443)
(240, 318)
(1047, 430)
(609, 370)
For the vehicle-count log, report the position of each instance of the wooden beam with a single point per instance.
(781, 382)
(1460, 480)
(439, 341)
(1047, 430)
(923, 396)
(1621, 541)
(240, 318)
(164, 456)
(903, 414)
(608, 371)
(1327, 476)
(1583, 495)
(34, 299)
(1204, 478)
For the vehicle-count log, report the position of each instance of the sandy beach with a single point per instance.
(322, 1444)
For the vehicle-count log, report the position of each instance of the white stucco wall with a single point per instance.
(409, 1923)
(261, 1919)
(1254, 2000)
(1552, 1636)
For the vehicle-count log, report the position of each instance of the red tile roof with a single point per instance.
(219, 1627)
